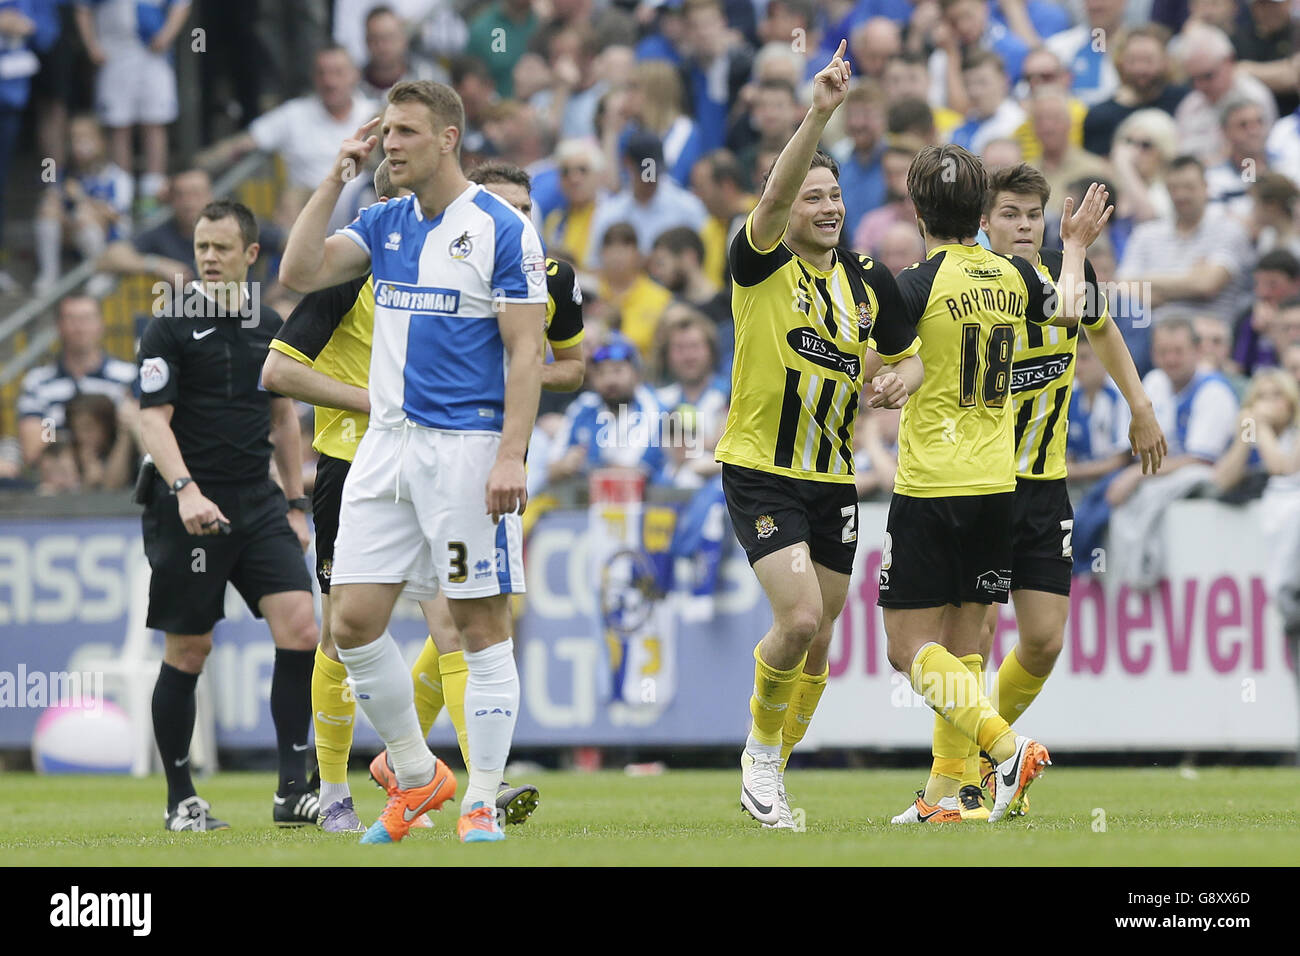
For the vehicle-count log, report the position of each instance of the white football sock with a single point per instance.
(382, 683)
(491, 707)
(332, 793)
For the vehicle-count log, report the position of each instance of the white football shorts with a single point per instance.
(414, 511)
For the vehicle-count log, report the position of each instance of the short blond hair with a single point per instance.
(441, 100)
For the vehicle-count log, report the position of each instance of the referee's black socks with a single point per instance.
(291, 712)
(173, 726)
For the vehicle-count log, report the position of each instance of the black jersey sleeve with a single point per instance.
(893, 333)
(310, 325)
(1095, 307)
(161, 363)
(914, 286)
(750, 265)
(564, 306)
(1043, 303)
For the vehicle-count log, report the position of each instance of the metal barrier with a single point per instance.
(33, 340)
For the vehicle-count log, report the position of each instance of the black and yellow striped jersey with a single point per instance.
(956, 435)
(331, 331)
(563, 305)
(801, 337)
(1042, 378)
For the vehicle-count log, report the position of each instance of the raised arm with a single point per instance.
(773, 211)
(312, 260)
(1079, 230)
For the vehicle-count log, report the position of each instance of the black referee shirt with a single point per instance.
(210, 371)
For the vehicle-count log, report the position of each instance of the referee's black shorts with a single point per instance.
(950, 550)
(771, 512)
(326, 503)
(260, 556)
(1041, 558)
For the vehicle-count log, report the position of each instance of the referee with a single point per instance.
(213, 515)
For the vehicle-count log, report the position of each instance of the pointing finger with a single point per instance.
(366, 127)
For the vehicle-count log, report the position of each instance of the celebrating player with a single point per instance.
(813, 323)
(947, 551)
(1042, 380)
(455, 373)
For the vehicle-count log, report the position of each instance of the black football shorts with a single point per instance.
(326, 503)
(260, 556)
(771, 512)
(1041, 559)
(946, 551)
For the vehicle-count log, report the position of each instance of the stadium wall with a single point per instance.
(1198, 663)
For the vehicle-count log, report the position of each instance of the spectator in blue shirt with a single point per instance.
(652, 203)
(862, 177)
(719, 66)
(19, 41)
(966, 28)
(617, 425)
(1097, 442)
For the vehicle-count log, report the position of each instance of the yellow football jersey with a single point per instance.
(956, 433)
(330, 331)
(1042, 378)
(801, 337)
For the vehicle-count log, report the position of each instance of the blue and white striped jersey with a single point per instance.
(438, 358)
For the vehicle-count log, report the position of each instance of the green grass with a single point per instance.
(1224, 817)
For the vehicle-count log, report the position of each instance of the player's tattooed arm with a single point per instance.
(312, 260)
(566, 372)
(773, 211)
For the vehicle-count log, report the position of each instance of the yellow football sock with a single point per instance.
(807, 695)
(331, 699)
(953, 751)
(455, 675)
(771, 699)
(952, 691)
(1016, 688)
(429, 691)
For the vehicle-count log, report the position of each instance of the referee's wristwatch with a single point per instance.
(180, 483)
(301, 504)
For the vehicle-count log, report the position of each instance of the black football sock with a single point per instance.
(291, 712)
(173, 726)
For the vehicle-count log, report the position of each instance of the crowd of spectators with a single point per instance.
(647, 129)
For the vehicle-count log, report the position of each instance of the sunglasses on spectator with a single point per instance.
(1141, 143)
(1045, 77)
(617, 352)
(1205, 77)
(576, 170)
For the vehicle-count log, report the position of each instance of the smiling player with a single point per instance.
(814, 322)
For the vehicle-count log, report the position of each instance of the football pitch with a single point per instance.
(1108, 817)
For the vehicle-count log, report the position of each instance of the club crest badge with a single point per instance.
(864, 315)
(460, 247)
(765, 526)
